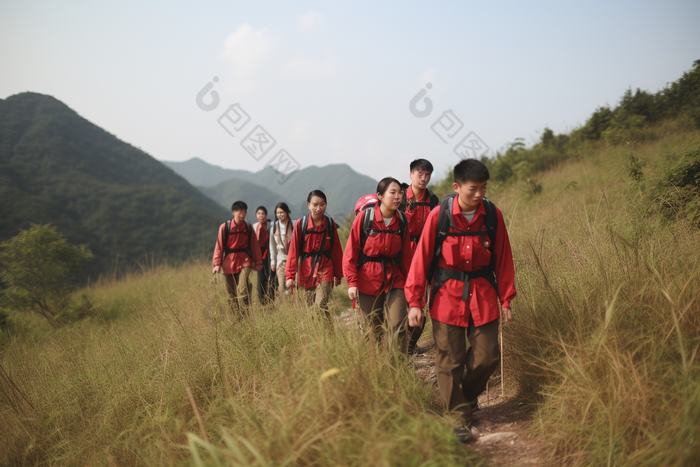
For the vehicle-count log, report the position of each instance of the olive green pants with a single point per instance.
(239, 288)
(319, 296)
(458, 388)
(392, 305)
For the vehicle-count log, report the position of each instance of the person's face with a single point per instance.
(392, 196)
(470, 193)
(317, 206)
(281, 215)
(420, 178)
(262, 216)
(239, 216)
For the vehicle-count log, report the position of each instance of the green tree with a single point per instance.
(36, 267)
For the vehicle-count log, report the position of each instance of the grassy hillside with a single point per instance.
(57, 167)
(604, 345)
(273, 387)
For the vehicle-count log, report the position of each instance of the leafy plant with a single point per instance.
(36, 269)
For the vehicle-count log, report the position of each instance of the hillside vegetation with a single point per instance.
(604, 344)
(56, 167)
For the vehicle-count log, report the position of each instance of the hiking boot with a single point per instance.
(463, 434)
(475, 406)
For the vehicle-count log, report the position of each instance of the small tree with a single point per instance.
(35, 268)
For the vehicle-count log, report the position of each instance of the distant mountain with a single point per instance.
(225, 193)
(341, 184)
(200, 173)
(57, 167)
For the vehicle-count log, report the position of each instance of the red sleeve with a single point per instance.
(415, 283)
(292, 257)
(255, 249)
(505, 271)
(352, 252)
(218, 249)
(337, 254)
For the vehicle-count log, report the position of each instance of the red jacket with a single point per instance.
(416, 215)
(370, 277)
(236, 261)
(463, 254)
(326, 268)
(263, 236)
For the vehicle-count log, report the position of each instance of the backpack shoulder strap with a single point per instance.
(402, 224)
(330, 230)
(434, 200)
(227, 232)
(444, 223)
(302, 230)
(367, 219)
(490, 219)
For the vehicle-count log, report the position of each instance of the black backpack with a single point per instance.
(444, 225)
(227, 233)
(316, 255)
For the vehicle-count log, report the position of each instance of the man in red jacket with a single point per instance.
(419, 202)
(466, 288)
(236, 254)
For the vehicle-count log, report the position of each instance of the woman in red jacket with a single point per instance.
(377, 259)
(315, 242)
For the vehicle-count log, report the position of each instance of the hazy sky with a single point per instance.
(331, 81)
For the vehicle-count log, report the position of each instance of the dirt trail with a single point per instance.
(499, 424)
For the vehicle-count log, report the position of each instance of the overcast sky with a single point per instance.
(331, 82)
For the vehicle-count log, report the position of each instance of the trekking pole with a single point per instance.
(500, 332)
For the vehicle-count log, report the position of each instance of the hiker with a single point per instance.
(418, 204)
(266, 290)
(236, 254)
(465, 253)
(376, 261)
(315, 242)
(280, 238)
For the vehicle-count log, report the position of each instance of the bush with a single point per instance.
(37, 265)
(678, 193)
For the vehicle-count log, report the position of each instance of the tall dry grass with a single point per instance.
(607, 326)
(273, 387)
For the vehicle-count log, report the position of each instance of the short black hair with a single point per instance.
(318, 193)
(470, 169)
(404, 187)
(261, 208)
(238, 205)
(385, 183)
(422, 164)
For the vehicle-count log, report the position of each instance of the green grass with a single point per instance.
(111, 390)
